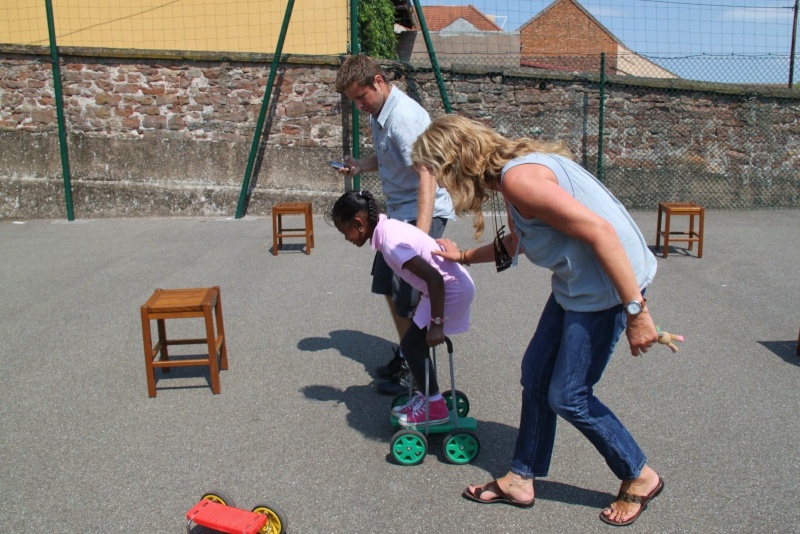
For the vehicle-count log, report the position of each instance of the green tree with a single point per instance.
(376, 28)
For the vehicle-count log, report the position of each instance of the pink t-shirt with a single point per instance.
(400, 242)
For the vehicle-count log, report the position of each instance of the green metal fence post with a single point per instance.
(794, 41)
(62, 128)
(263, 113)
(356, 134)
(432, 55)
(601, 116)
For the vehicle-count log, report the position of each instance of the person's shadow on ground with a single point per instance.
(786, 350)
(368, 350)
(368, 414)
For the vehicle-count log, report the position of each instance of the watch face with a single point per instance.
(633, 308)
(437, 320)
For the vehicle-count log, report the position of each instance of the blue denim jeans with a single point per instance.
(563, 362)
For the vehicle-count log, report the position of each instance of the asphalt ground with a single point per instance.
(299, 425)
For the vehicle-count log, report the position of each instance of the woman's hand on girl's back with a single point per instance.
(449, 250)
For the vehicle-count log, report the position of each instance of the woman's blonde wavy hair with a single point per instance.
(467, 157)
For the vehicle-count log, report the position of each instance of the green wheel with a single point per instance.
(276, 523)
(218, 498)
(462, 402)
(408, 447)
(461, 447)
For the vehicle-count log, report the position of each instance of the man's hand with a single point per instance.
(352, 166)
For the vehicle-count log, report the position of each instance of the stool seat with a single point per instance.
(666, 210)
(279, 232)
(181, 304)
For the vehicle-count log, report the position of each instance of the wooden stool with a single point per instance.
(279, 232)
(181, 304)
(680, 208)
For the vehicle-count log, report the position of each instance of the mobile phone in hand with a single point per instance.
(337, 165)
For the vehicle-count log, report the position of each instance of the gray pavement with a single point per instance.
(298, 423)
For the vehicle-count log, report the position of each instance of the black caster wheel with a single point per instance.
(461, 447)
(408, 447)
(462, 402)
(277, 523)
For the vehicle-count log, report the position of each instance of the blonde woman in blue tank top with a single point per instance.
(562, 218)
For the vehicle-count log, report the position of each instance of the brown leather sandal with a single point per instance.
(638, 499)
(501, 496)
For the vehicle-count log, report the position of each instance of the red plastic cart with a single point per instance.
(218, 513)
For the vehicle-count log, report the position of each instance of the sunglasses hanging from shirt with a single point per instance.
(502, 260)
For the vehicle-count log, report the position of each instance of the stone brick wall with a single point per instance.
(209, 101)
(172, 136)
(164, 138)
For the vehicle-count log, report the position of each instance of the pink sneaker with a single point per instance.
(416, 416)
(415, 399)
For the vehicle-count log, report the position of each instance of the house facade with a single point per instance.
(461, 36)
(565, 36)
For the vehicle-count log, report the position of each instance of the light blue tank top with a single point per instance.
(579, 282)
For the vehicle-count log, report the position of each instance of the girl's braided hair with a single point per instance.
(351, 204)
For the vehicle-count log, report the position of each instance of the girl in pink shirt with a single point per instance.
(445, 287)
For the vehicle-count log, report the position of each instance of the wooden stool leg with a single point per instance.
(162, 342)
(666, 234)
(221, 331)
(148, 353)
(274, 233)
(309, 230)
(310, 223)
(212, 349)
(692, 233)
(700, 233)
(658, 228)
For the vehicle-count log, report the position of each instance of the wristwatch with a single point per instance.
(437, 320)
(634, 307)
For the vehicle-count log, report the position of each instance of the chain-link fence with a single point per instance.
(654, 111)
(721, 145)
(722, 128)
(707, 110)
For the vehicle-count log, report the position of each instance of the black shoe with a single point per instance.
(391, 368)
(397, 384)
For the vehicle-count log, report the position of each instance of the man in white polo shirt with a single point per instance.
(396, 120)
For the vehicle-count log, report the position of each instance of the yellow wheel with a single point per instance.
(276, 523)
(218, 498)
